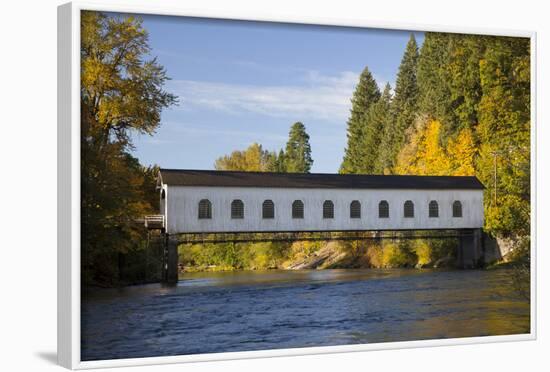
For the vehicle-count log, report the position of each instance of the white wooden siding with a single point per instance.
(181, 209)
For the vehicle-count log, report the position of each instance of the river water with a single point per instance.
(258, 310)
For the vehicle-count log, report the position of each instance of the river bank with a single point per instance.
(332, 254)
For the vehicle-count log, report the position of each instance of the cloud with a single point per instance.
(314, 96)
(201, 130)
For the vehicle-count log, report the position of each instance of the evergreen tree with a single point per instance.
(464, 86)
(404, 106)
(433, 91)
(276, 162)
(366, 94)
(281, 167)
(298, 150)
(376, 119)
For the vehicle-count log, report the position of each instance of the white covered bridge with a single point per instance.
(206, 202)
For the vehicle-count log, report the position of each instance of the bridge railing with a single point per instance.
(241, 237)
(154, 221)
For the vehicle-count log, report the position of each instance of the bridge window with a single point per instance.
(268, 209)
(328, 209)
(237, 209)
(383, 209)
(297, 209)
(408, 209)
(457, 209)
(433, 209)
(355, 209)
(205, 209)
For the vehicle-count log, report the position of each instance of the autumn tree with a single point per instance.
(253, 159)
(504, 134)
(423, 154)
(121, 93)
(477, 88)
(365, 95)
(296, 158)
(462, 153)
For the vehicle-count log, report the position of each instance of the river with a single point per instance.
(258, 310)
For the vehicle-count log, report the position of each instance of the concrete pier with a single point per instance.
(170, 261)
(470, 250)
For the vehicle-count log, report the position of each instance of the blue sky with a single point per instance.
(243, 82)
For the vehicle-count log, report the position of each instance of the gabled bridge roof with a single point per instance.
(189, 177)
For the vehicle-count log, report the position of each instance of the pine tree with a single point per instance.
(464, 86)
(275, 162)
(366, 94)
(281, 167)
(298, 150)
(376, 119)
(433, 90)
(404, 106)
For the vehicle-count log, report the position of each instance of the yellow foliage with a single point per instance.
(461, 152)
(423, 153)
(393, 255)
(423, 251)
(375, 255)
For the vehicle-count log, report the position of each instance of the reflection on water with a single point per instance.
(258, 310)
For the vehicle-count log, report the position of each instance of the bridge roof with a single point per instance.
(188, 177)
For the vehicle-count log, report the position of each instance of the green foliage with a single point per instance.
(121, 92)
(365, 95)
(377, 118)
(472, 117)
(503, 130)
(404, 107)
(120, 89)
(337, 254)
(297, 158)
(433, 91)
(230, 256)
(397, 254)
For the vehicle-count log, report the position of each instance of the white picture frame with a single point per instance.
(69, 186)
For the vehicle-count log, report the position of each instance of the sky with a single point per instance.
(242, 82)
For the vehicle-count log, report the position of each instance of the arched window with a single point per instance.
(408, 209)
(205, 209)
(163, 194)
(433, 209)
(383, 209)
(457, 209)
(268, 209)
(237, 209)
(328, 209)
(297, 209)
(355, 209)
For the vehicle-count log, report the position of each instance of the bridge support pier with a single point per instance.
(469, 254)
(170, 261)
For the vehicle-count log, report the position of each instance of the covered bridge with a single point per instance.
(221, 202)
(202, 201)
